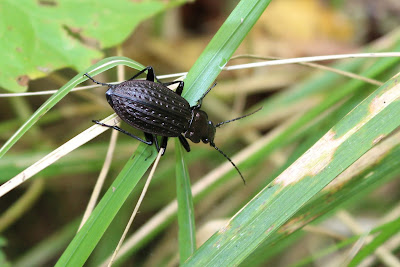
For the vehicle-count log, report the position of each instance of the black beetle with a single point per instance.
(158, 111)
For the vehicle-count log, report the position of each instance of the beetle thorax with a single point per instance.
(200, 128)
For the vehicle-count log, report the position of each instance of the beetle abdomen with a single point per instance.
(150, 107)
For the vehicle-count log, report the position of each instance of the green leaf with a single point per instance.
(43, 36)
(187, 231)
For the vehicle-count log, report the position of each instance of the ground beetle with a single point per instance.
(158, 111)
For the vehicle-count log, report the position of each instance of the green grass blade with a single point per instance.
(388, 231)
(187, 230)
(340, 245)
(364, 126)
(99, 67)
(220, 49)
(376, 167)
(87, 238)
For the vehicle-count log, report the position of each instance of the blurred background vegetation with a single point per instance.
(168, 35)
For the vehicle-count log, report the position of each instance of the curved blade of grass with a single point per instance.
(87, 238)
(374, 118)
(186, 231)
(220, 49)
(333, 197)
(99, 67)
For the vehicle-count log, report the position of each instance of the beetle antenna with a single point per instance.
(244, 116)
(233, 164)
(93, 80)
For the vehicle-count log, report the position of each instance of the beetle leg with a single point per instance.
(150, 72)
(151, 76)
(140, 72)
(123, 131)
(180, 86)
(164, 142)
(184, 142)
(153, 139)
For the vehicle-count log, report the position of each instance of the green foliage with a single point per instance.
(43, 36)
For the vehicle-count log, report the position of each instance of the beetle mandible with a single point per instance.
(149, 105)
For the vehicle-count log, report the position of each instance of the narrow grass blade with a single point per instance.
(186, 231)
(341, 245)
(388, 231)
(87, 238)
(139, 202)
(220, 49)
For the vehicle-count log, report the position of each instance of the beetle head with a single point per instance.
(200, 128)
